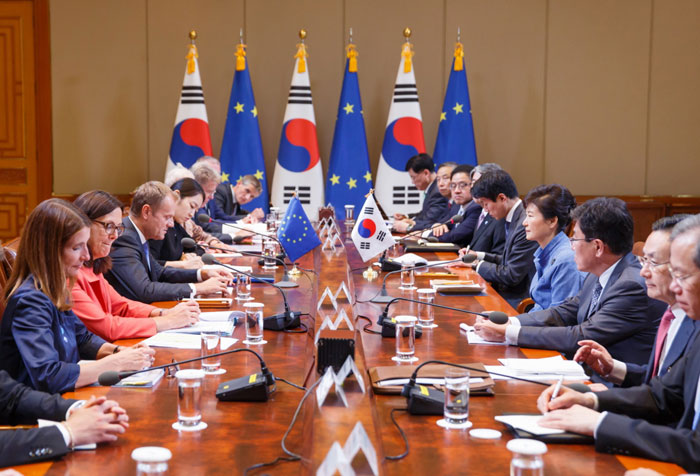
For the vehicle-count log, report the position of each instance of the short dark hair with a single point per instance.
(667, 223)
(492, 184)
(96, 204)
(463, 169)
(419, 163)
(552, 201)
(689, 225)
(608, 220)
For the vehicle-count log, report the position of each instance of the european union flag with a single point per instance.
(241, 149)
(455, 138)
(349, 176)
(296, 234)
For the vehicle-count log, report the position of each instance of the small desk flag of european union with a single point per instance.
(296, 233)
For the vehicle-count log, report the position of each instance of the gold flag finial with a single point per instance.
(193, 35)
(407, 33)
(407, 51)
(301, 52)
(302, 34)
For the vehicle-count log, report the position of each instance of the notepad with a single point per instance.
(528, 423)
(474, 338)
(225, 327)
(184, 341)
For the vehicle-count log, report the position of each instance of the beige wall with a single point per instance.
(600, 95)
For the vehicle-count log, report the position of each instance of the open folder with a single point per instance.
(480, 382)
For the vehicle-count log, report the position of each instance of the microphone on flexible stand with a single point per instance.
(244, 389)
(203, 218)
(429, 401)
(384, 296)
(189, 244)
(279, 322)
(454, 220)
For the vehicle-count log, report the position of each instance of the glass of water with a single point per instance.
(189, 396)
(270, 254)
(151, 460)
(254, 323)
(349, 213)
(527, 457)
(426, 318)
(271, 222)
(456, 410)
(405, 339)
(243, 287)
(211, 344)
(408, 279)
(275, 212)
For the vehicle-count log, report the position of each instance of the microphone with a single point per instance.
(242, 389)
(454, 220)
(432, 403)
(204, 218)
(279, 322)
(384, 297)
(388, 327)
(189, 244)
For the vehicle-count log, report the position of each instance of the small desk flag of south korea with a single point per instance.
(371, 235)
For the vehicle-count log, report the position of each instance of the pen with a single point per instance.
(557, 387)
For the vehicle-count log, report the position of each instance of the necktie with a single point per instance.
(696, 419)
(481, 219)
(661, 334)
(594, 300)
(147, 252)
(507, 230)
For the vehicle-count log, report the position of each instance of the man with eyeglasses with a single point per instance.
(461, 233)
(612, 306)
(675, 331)
(658, 420)
(421, 169)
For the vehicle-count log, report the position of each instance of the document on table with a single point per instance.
(225, 327)
(528, 423)
(220, 316)
(184, 341)
(549, 365)
(423, 381)
(227, 255)
(242, 269)
(474, 338)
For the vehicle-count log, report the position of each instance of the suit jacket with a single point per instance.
(638, 374)
(510, 273)
(170, 247)
(625, 321)
(40, 346)
(214, 228)
(20, 404)
(490, 237)
(434, 205)
(461, 233)
(131, 277)
(226, 203)
(655, 420)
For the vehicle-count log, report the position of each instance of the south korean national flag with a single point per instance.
(371, 235)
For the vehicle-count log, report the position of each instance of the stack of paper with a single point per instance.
(473, 338)
(529, 423)
(225, 327)
(184, 341)
(550, 368)
(243, 269)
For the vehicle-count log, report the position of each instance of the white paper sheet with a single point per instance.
(473, 337)
(184, 341)
(527, 423)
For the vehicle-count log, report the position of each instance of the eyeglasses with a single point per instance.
(653, 265)
(680, 279)
(111, 228)
(574, 240)
(460, 185)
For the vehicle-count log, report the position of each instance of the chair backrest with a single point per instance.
(638, 248)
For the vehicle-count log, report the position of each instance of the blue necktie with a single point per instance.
(147, 252)
(696, 419)
(507, 229)
(594, 300)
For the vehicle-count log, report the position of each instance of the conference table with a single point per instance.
(241, 434)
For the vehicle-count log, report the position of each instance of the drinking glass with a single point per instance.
(407, 277)
(243, 287)
(270, 254)
(151, 460)
(211, 344)
(405, 339)
(349, 213)
(456, 410)
(189, 396)
(527, 457)
(426, 318)
(254, 323)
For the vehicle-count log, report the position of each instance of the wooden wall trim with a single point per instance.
(44, 137)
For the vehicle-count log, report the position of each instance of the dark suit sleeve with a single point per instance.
(22, 405)
(621, 314)
(130, 277)
(634, 374)
(156, 247)
(498, 238)
(31, 446)
(222, 199)
(562, 315)
(462, 233)
(516, 268)
(433, 208)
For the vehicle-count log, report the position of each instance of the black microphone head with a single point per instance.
(207, 258)
(188, 244)
(498, 317)
(469, 258)
(579, 387)
(457, 219)
(109, 378)
(203, 218)
(432, 239)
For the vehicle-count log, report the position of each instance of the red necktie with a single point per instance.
(661, 337)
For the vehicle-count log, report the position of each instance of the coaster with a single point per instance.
(452, 426)
(199, 427)
(215, 372)
(249, 298)
(260, 342)
(399, 359)
(485, 434)
(429, 326)
(410, 288)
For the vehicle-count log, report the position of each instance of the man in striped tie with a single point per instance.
(658, 420)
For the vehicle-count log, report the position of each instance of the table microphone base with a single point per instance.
(382, 298)
(286, 284)
(282, 321)
(251, 388)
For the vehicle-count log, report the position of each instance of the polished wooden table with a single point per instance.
(241, 434)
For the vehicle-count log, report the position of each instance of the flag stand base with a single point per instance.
(370, 273)
(295, 272)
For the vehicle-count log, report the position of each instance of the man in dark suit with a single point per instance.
(421, 169)
(612, 306)
(97, 421)
(675, 332)
(461, 233)
(230, 198)
(658, 420)
(509, 273)
(135, 274)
